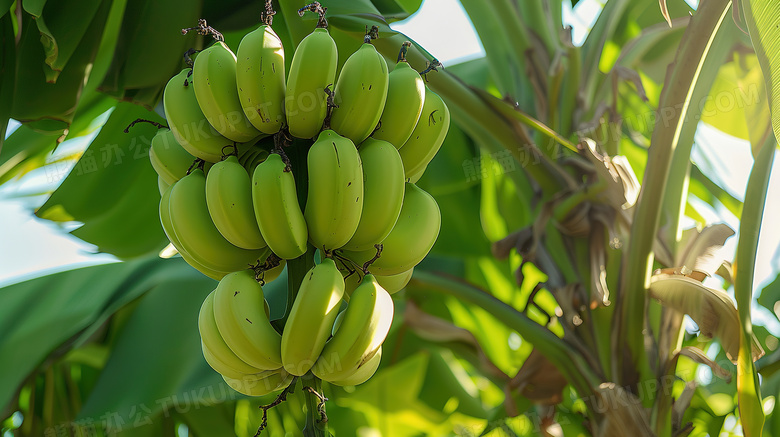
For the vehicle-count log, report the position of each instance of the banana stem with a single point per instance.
(316, 419)
(296, 271)
(298, 267)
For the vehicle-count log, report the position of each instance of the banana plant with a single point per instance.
(554, 301)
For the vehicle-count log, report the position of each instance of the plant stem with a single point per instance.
(315, 425)
(298, 267)
(548, 344)
(681, 80)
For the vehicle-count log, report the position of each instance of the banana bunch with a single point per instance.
(260, 166)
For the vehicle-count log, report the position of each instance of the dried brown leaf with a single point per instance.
(539, 380)
(621, 413)
(665, 12)
(702, 251)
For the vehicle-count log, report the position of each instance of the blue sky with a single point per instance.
(29, 246)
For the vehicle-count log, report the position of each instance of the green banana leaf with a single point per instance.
(737, 104)
(7, 70)
(457, 196)
(146, 372)
(56, 309)
(762, 17)
(113, 187)
(62, 26)
(770, 295)
(150, 35)
(51, 106)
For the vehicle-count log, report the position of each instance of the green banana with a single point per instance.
(391, 283)
(260, 384)
(395, 283)
(383, 193)
(239, 311)
(405, 97)
(273, 273)
(162, 185)
(229, 200)
(215, 350)
(362, 331)
(260, 79)
(428, 135)
(360, 94)
(364, 373)
(414, 178)
(165, 219)
(277, 211)
(335, 197)
(222, 367)
(196, 232)
(252, 157)
(187, 122)
(214, 80)
(411, 239)
(311, 317)
(168, 158)
(313, 68)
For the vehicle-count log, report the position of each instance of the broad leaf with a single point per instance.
(53, 309)
(113, 189)
(737, 104)
(762, 17)
(62, 26)
(157, 362)
(51, 106)
(770, 296)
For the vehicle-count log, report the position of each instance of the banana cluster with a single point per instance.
(233, 209)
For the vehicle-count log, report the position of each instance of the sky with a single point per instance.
(29, 246)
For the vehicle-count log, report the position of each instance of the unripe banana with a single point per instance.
(165, 219)
(196, 232)
(335, 197)
(364, 373)
(260, 384)
(260, 79)
(229, 199)
(252, 157)
(168, 158)
(218, 365)
(405, 97)
(395, 283)
(239, 310)
(313, 68)
(362, 331)
(428, 135)
(214, 80)
(391, 283)
(273, 273)
(277, 211)
(383, 193)
(414, 178)
(411, 239)
(215, 350)
(187, 122)
(162, 185)
(360, 94)
(311, 317)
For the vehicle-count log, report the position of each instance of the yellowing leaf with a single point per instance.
(711, 309)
